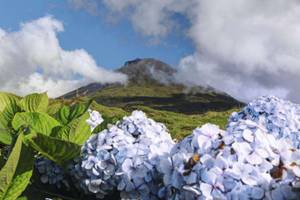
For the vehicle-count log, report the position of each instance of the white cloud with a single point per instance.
(246, 48)
(32, 60)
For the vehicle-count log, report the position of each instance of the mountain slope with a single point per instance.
(151, 84)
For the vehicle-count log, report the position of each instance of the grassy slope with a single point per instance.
(178, 124)
(181, 125)
(161, 97)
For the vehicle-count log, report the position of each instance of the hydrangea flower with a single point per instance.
(244, 162)
(124, 158)
(51, 173)
(256, 157)
(98, 164)
(95, 119)
(279, 117)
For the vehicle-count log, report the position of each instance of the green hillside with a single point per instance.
(151, 84)
(179, 124)
(152, 89)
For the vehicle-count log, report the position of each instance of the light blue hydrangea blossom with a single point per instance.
(279, 117)
(247, 161)
(124, 158)
(95, 119)
(50, 173)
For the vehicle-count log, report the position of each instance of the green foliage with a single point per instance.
(170, 97)
(76, 131)
(53, 107)
(8, 108)
(56, 130)
(179, 124)
(30, 126)
(57, 150)
(5, 137)
(109, 112)
(38, 122)
(63, 114)
(35, 102)
(17, 171)
(7, 100)
(66, 114)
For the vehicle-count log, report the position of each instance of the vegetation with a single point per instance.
(30, 127)
(36, 126)
(181, 125)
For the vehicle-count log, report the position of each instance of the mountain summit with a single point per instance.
(151, 84)
(148, 70)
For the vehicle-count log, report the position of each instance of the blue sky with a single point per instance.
(109, 44)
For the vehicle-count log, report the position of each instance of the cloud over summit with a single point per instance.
(245, 48)
(32, 60)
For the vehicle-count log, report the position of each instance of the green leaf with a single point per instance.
(78, 109)
(8, 108)
(7, 99)
(54, 107)
(54, 149)
(63, 114)
(35, 102)
(17, 171)
(39, 122)
(77, 131)
(22, 175)
(5, 137)
(10, 167)
(68, 113)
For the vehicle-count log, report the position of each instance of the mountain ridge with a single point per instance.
(151, 83)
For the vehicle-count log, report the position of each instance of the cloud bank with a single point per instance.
(32, 60)
(245, 48)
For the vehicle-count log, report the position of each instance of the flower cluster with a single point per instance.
(125, 158)
(256, 157)
(247, 161)
(279, 117)
(50, 173)
(95, 119)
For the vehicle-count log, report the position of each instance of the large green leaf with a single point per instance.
(8, 108)
(78, 110)
(67, 114)
(39, 122)
(10, 167)
(35, 102)
(54, 149)
(63, 114)
(5, 137)
(22, 175)
(54, 107)
(16, 173)
(7, 99)
(77, 131)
